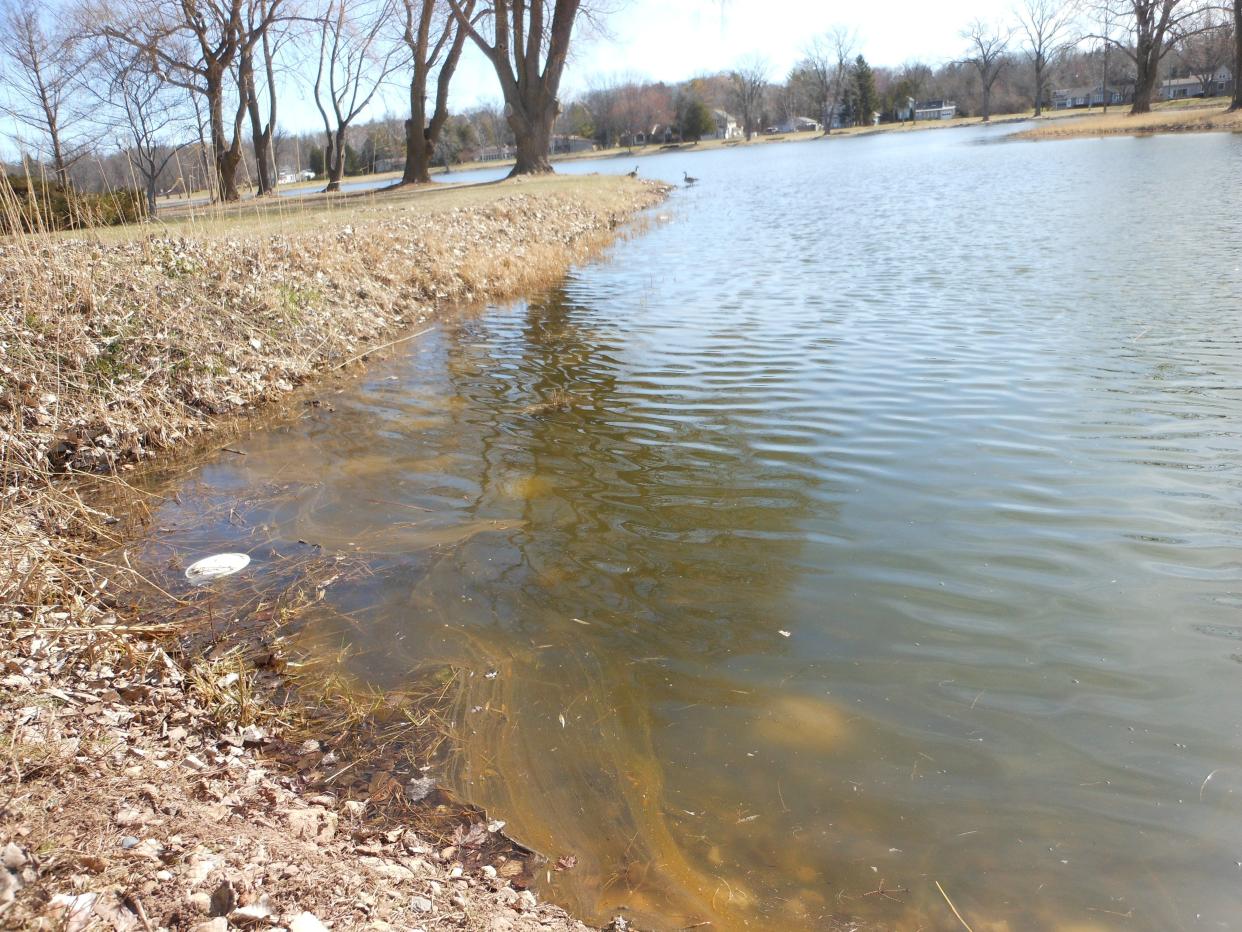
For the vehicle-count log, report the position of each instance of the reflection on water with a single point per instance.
(873, 523)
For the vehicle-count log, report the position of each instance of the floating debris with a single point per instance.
(216, 567)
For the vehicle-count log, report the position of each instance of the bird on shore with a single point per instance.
(690, 179)
(634, 173)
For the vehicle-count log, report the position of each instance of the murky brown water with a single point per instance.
(890, 533)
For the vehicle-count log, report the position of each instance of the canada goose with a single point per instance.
(690, 179)
(634, 173)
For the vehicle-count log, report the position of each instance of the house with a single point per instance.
(934, 110)
(287, 176)
(1218, 85)
(664, 134)
(726, 126)
(1070, 98)
(562, 145)
(496, 153)
(798, 124)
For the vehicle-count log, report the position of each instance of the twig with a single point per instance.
(965, 924)
(376, 349)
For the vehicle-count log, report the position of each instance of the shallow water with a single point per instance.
(888, 533)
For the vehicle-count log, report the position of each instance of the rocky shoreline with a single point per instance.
(148, 785)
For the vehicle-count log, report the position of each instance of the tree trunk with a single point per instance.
(418, 149)
(1237, 56)
(418, 142)
(987, 102)
(1147, 66)
(261, 138)
(1144, 88)
(534, 141)
(532, 120)
(226, 157)
(1039, 88)
(336, 167)
(151, 197)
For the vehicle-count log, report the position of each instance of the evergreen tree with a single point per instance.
(864, 91)
(697, 121)
(315, 159)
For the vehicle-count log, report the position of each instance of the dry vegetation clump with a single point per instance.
(149, 785)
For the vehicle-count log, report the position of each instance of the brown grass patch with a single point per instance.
(1210, 118)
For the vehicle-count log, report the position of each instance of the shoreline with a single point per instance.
(159, 779)
(1202, 117)
(1165, 117)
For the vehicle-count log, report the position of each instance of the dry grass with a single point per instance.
(1118, 122)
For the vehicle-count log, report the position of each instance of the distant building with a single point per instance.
(562, 145)
(1218, 85)
(496, 153)
(664, 134)
(1070, 98)
(799, 124)
(726, 126)
(934, 110)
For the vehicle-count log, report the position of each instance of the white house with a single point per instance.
(935, 110)
(726, 126)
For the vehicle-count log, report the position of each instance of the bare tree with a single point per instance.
(435, 40)
(154, 115)
(986, 54)
(194, 44)
(1153, 27)
(1207, 49)
(528, 53)
(1048, 25)
(747, 84)
(826, 66)
(355, 61)
(40, 63)
(271, 32)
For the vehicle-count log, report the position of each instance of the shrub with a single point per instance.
(31, 204)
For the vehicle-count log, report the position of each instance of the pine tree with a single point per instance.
(864, 91)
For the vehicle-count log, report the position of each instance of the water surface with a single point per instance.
(873, 520)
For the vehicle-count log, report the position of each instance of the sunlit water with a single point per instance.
(890, 533)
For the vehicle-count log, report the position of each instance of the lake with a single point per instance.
(871, 520)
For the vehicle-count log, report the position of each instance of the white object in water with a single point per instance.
(222, 564)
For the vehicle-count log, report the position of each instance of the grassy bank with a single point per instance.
(155, 779)
(1181, 117)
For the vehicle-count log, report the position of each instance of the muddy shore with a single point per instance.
(157, 780)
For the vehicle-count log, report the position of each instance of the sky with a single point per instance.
(672, 40)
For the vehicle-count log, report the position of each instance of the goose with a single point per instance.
(634, 173)
(690, 179)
